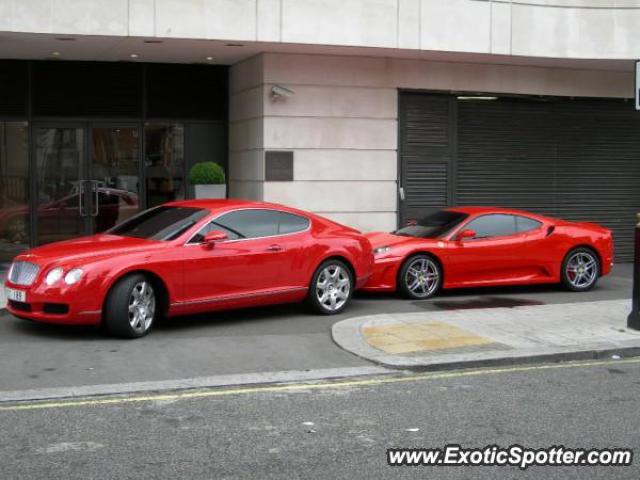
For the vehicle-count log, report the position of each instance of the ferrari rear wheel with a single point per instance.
(131, 307)
(420, 277)
(331, 287)
(580, 270)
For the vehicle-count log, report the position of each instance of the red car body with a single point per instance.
(194, 278)
(532, 257)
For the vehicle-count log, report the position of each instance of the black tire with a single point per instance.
(418, 286)
(335, 288)
(116, 314)
(591, 265)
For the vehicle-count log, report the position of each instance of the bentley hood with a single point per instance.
(85, 249)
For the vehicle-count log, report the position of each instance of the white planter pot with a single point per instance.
(211, 191)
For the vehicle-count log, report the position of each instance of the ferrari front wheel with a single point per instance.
(580, 270)
(420, 277)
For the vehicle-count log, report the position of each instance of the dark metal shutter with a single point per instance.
(426, 148)
(574, 159)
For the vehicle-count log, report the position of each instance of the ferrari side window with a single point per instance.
(524, 224)
(496, 225)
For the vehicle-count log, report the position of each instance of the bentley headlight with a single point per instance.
(381, 250)
(73, 276)
(53, 276)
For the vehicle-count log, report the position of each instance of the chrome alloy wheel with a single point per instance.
(142, 306)
(333, 287)
(582, 269)
(422, 277)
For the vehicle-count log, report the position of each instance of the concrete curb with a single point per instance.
(59, 393)
(347, 334)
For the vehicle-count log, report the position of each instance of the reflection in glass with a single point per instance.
(164, 163)
(14, 189)
(59, 152)
(115, 162)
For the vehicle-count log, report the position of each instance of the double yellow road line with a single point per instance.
(295, 387)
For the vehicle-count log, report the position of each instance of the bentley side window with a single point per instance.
(254, 223)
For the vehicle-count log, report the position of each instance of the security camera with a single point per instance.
(278, 91)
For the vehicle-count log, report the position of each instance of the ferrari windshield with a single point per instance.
(433, 226)
(160, 223)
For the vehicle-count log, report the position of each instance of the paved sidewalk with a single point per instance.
(475, 337)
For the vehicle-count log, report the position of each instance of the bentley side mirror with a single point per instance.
(465, 235)
(213, 237)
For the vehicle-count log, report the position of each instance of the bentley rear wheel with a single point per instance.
(420, 277)
(131, 307)
(331, 287)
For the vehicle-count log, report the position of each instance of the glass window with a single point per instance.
(254, 224)
(493, 225)
(160, 223)
(526, 224)
(59, 156)
(115, 164)
(164, 162)
(290, 223)
(251, 223)
(14, 189)
(434, 225)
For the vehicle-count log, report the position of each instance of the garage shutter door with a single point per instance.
(574, 159)
(427, 152)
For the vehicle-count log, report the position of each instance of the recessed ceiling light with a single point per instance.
(66, 39)
(134, 55)
(208, 59)
(476, 97)
(55, 54)
(153, 41)
(234, 45)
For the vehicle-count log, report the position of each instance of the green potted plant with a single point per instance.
(208, 180)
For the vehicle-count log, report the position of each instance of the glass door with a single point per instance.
(114, 175)
(87, 178)
(61, 194)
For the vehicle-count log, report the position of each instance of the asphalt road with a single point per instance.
(329, 431)
(269, 339)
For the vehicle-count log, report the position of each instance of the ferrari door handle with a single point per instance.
(274, 248)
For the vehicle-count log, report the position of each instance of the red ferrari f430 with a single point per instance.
(189, 257)
(481, 246)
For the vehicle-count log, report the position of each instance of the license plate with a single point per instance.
(16, 295)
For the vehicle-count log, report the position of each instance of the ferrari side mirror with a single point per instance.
(466, 235)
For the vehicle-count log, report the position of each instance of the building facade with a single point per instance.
(371, 112)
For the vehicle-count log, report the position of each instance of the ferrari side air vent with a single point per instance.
(550, 230)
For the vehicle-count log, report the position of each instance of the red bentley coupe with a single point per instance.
(189, 257)
(480, 246)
